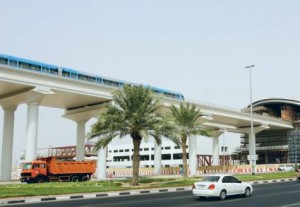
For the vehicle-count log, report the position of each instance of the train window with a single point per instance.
(81, 77)
(146, 149)
(169, 95)
(45, 70)
(91, 78)
(167, 148)
(3, 61)
(13, 62)
(74, 75)
(66, 73)
(110, 82)
(36, 67)
(99, 80)
(54, 71)
(24, 65)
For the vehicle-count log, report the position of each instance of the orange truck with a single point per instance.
(53, 169)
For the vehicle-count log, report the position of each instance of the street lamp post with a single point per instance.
(252, 151)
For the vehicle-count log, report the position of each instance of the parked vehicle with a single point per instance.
(51, 169)
(286, 167)
(298, 173)
(221, 186)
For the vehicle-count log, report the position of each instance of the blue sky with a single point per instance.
(199, 48)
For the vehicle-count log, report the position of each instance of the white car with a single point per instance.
(286, 168)
(221, 186)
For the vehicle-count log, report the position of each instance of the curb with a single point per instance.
(123, 193)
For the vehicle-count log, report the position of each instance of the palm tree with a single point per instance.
(133, 112)
(186, 118)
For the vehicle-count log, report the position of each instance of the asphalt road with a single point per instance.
(285, 194)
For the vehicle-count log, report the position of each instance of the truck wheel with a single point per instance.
(40, 180)
(75, 178)
(84, 178)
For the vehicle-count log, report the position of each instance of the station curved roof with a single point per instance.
(277, 104)
(276, 101)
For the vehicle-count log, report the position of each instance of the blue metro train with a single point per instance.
(54, 70)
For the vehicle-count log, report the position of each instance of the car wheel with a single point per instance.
(247, 192)
(223, 195)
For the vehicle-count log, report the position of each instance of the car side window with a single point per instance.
(234, 180)
(226, 179)
(230, 179)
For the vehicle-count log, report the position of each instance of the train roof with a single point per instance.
(85, 73)
(28, 61)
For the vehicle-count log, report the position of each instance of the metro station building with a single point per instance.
(275, 146)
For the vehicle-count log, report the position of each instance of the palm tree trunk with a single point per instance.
(136, 160)
(184, 156)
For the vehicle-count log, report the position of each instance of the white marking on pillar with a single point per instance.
(192, 155)
(7, 143)
(157, 158)
(31, 131)
(80, 140)
(101, 163)
(215, 157)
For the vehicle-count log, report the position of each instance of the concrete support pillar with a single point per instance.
(80, 140)
(31, 131)
(216, 155)
(192, 155)
(216, 147)
(157, 158)
(101, 163)
(7, 142)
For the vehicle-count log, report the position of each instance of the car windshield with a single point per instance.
(211, 179)
(27, 166)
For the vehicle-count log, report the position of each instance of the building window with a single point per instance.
(115, 150)
(167, 148)
(121, 158)
(146, 149)
(144, 157)
(152, 157)
(166, 156)
(177, 156)
(126, 150)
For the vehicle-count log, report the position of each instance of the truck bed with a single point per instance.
(70, 167)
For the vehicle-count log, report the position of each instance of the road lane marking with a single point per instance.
(290, 205)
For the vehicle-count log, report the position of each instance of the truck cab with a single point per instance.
(35, 171)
